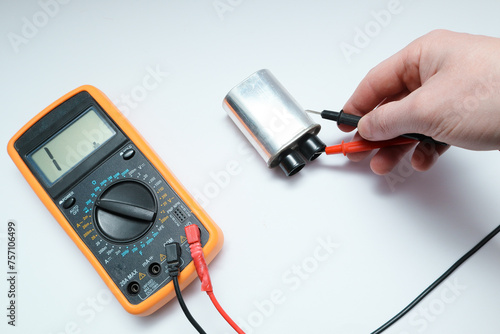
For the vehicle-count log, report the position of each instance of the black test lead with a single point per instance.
(173, 261)
(352, 120)
(338, 116)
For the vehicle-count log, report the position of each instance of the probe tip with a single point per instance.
(313, 112)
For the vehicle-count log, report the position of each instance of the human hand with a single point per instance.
(445, 85)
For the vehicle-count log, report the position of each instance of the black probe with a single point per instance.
(352, 120)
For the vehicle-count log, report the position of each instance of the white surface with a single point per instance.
(391, 239)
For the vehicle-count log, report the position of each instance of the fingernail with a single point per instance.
(364, 128)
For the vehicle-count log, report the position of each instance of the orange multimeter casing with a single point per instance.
(112, 195)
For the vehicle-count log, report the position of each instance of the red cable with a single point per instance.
(193, 238)
(223, 313)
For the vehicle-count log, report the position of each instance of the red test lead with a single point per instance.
(194, 240)
(365, 145)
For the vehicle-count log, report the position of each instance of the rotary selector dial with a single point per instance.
(125, 211)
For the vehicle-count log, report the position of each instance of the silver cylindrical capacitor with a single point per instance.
(274, 123)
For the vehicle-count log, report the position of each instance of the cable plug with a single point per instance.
(173, 251)
(194, 240)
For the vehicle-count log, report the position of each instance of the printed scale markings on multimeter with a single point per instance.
(112, 195)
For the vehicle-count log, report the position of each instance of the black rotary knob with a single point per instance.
(125, 211)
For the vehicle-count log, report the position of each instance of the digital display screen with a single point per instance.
(67, 148)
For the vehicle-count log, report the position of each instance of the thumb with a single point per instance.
(391, 120)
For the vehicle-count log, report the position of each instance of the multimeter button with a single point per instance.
(69, 202)
(128, 154)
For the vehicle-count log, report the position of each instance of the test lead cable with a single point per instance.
(173, 252)
(194, 240)
(444, 276)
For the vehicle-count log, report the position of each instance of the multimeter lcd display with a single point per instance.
(70, 146)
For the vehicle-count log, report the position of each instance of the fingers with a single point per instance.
(391, 81)
(421, 111)
(393, 76)
(358, 156)
(388, 157)
(396, 97)
(426, 154)
(423, 158)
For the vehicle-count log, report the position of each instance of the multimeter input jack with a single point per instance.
(133, 288)
(154, 269)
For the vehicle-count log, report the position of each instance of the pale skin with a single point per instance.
(445, 85)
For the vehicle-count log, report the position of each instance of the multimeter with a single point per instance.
(112, 195)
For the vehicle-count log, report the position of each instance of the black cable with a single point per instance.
(173, 251)
(438, 281)
(184, 307)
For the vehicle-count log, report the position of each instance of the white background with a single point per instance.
(393, 235)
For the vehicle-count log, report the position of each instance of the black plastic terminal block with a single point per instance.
(312, 147)
(291, 163)
(308, 149)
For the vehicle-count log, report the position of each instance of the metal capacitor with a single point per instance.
(276, 125)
